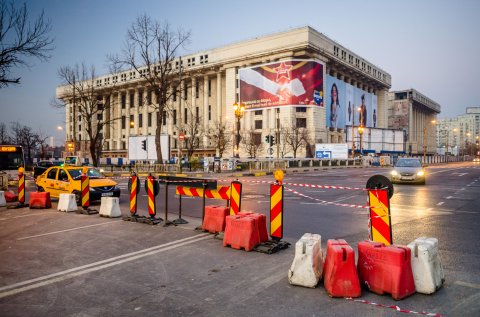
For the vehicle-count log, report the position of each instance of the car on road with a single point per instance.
(58, 180)
(408, 170)
(476, 160)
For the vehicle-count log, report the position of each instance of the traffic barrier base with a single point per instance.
(241, 232)
(385, 269)
(307, 266)
(261, 220)
(214, 220)
(10, 196)
(426, 265)
(3, 202)
(67, 203)
(110, 207)
(40, 200)
(339, 273)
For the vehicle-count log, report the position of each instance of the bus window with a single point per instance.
(11, 158)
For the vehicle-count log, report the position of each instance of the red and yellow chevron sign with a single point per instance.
(151, 197)
(133, 194)
(381, 224)
(21, 187)
(85, 190)
(276, 211)
(235, 197)
(222, 192)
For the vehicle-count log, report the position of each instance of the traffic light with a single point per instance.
(144, 145)
(267, 138)
(272, 140)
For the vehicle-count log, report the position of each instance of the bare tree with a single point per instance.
(282, 144)
(151, 49)
(252, 143)
(220, 136)
(89, 104)
(193, 130)
(295, 137)
(4, 136)
(21, 39)
(27, 138)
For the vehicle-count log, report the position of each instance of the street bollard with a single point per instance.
(152, 187)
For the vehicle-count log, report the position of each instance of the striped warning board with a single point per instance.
(276, 211)
(380, 221)
(85, 190)
(235, 197)
(151, 196)
(133, 194)
(222, 192)
(21, 187)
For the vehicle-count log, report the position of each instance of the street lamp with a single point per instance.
(239, 109)
(360, 130)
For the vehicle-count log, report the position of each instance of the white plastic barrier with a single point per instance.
(67, 203)
(110, 207)
(307, 266)
(3, 202)
(426, 265)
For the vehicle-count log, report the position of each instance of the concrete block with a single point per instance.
(110, 207)
(67, 203)
(307, 266)
(426, 265)
(3, 202)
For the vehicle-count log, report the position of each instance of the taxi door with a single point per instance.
(62, 185)
(51, 182)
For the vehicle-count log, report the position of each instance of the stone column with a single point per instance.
(128, 107)
(146, 107)
(218, 113)
(119, 121)
(136, 111)
(205, 111)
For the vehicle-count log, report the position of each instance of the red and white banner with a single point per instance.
(286, 83)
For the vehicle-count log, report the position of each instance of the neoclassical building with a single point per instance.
(286, 78)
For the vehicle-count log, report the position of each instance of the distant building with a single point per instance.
(293, 71)
(416, 114)
(459, 135)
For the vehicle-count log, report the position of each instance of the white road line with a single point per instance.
(440, 203)
(34, 214)
(462, 188)
(471, 285)
(449, 197)
(92, 267)
(66, 230)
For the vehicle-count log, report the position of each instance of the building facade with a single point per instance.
(214, 80)
(416, 114)
(459, 135)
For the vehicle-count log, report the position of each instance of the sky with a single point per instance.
(429, 45)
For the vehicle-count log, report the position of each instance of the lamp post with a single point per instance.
(360, 130)
(239, 109)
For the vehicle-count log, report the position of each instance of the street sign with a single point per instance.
(270, 151)
(181, 136)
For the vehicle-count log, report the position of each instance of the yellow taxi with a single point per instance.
(58, 180)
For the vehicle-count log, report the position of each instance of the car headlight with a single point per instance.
(421, 173)
(394, 173)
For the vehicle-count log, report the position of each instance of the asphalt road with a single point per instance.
(58, 264)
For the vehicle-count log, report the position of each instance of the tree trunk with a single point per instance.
(158, 131)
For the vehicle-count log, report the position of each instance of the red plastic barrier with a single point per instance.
(214, 220)
(386, 269)
(339, 273)
(241, 232)
(10, 196)
(40, 200)
(261, 223)
(331, 242)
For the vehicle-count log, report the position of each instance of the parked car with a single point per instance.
(57, 180)
(41, 167)
(408, 170)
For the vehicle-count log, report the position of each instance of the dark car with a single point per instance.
(408, 170)
(41, 167)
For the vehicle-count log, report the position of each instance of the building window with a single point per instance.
(149, 97)
(185, 92)
(197, 115)
(99, 116)
(209, 112)
(140, 120)
(258, 112)
(124, 145)
(301, 123)
(124, 101)
(174, 116)
(258, 124)
(140, 98)
(257, 138)
(149, 119)
(132, 122)
(124, 120)
(79, 127)
(209, 87)
(132, 100)
(196, 88)
(185, 114)
(301, 109)
(164, 117)
(175, 94)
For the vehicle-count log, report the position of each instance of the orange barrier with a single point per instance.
(386, 269)
(214, 220)
(241, 232)
(339, 273)
(40, 200)
(10, 196)
(261, 220)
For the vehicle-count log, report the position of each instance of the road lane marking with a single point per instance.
(449, 197)
(440, 203)
(29, 215)
(96, 266)
(471, 285)
(66, 230)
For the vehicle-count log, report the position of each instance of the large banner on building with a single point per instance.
(347, 105)
(286, 83)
